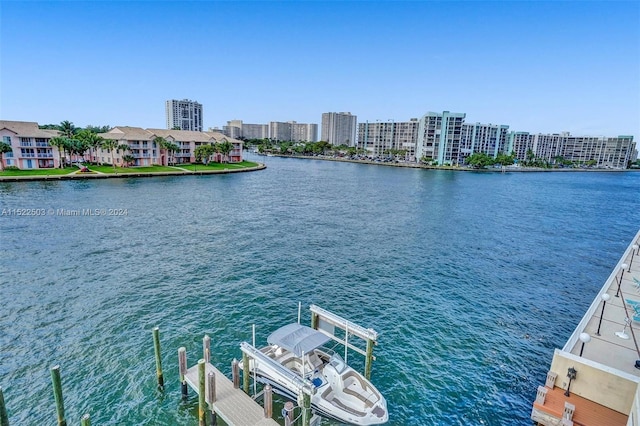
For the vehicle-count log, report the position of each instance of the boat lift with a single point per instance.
(326, 322)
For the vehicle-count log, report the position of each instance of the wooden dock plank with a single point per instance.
(233, 406)
(587, 413)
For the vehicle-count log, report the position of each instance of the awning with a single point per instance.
(297, 338)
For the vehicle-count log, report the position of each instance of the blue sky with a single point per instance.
(536, 66)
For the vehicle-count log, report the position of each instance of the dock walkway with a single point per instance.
(232, 405)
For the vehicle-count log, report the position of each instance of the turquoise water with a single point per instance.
(471, 279)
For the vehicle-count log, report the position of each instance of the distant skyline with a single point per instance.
(536, 66)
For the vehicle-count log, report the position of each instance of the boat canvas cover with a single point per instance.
(297, 338)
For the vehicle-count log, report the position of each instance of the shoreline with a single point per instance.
(76, 176)
(454, 168)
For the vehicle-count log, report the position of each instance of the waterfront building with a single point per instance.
(439, 137)
(604, 152)
(292, 131)
(30, 145)
(490, 139)
(279, 131)
(233, 129)
(255, 131)
(520, 143)
(146, 152)
(184, 114)
(380, 137)
(303, 132)
(339, 128)
(593, 380)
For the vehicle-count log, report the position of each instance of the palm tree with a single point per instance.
(172, 148)
(112, 145)
(60, 143)
(225, 148)
(67, 129)
(128, 159)
(77, 147)
(4, 148)
(162, 145)
(90, 139)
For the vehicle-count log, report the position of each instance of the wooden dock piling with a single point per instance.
(4, 418)
(182, 366)
(86, 420)
(245, 373)
(156, 347)
(57, 394)
(368, 359)
(287, 413)
(235, 373)
(306, 409)
(202, 406)
(206, 348)
(211, 395)
(268, 401)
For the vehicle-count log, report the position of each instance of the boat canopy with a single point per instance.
(297, 338)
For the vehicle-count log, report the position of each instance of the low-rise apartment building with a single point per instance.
(146, 152)
(30, 145)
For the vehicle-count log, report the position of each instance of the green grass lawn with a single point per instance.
(39, 172)
(218, 166)
(146, 169)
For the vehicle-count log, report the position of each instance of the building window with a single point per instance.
(6, 139)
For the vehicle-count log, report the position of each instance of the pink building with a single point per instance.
(31, 149)
(146, 152)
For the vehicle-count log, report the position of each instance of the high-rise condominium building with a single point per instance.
(303, 132)
(184, 115)
(378, 137)
(439, 137)
(490, 139)
(276, 130)
(339, 128)
(600, 151)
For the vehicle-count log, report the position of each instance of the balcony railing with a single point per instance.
(43, 144)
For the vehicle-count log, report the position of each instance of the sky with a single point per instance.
(536, 66)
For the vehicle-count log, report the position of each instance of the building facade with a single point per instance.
(255, 131)
(379, 138)
(146, 152)
(439, 137)
(184, 115)
(302, 132)
(599, 151)
(490, 139)
(30, 146)
(339, 128)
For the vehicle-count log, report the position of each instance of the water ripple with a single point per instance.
(463, 275)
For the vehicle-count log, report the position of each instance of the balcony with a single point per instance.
(28, 155)
(45, 155)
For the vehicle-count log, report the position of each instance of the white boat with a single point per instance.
(294, 361)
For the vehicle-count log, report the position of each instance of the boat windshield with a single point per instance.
(337, 361)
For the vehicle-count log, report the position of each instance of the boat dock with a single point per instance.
(232, 405)
(594, 380)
